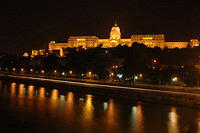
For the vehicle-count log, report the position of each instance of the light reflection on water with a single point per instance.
(173, 121)
(70, 108)
(41, 100)
(53, 101)
(111, 117)
(137, 119)
(31, 92)
(12, 92)
(70, 103)
(89, 113)
(21, 94)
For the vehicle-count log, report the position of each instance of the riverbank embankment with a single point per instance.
(188, 96)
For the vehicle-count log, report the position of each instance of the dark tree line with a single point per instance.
(157, 65)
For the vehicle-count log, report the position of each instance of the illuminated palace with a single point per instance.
(150, 40)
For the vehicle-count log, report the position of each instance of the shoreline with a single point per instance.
(178, 96)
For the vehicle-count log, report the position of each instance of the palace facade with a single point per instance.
(150, 40)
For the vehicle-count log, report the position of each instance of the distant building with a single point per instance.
(40, 52)
(150, 40)
(157, 40)
(26, 54)
(179, 45)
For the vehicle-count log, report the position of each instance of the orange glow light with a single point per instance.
(70, 72)
(42, 71)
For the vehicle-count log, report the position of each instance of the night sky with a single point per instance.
(31, 25)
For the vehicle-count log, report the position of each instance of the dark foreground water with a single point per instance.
(28, 108)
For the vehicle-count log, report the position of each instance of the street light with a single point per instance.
(14, 69)
(135, 77)
(90, 73)
(63, 73)
(22, 69)
(116, 66)
(31, 70)
(106, 51)
(70, 72)
(42, 71)
(112, 74)
(154, 61)
(175, 79)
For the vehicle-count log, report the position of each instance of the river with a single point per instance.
(35, 108)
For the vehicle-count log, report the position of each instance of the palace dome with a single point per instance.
(115, 33)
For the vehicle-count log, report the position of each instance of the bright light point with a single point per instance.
(120, 75)
(90, 73)
(31, 70)
(136, 77)
(14, 69)
(22, 69)
(70, 72)
(55, 71)
(42, 71)
(63, 73)
(140, 75)
(175, 79)
(105, 105)
(112, 74)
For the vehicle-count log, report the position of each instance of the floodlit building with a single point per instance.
(150, 40)
(38, 52)
(157, 40)
(179, 45)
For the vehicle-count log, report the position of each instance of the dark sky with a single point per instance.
(31, 25)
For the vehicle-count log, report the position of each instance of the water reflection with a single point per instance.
(111, 113)
(53, 102)
(137, 119)
(87, 114)
(173, 121)
(30, 91)
(70, 107)
(90, 115)
(30, 96)
(12, 92)
(21, 94)
(111, 116)
(88, 110)
(41, 95)
(41, 100)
